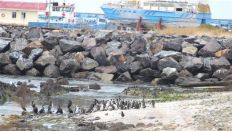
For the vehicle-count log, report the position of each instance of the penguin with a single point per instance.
(122, 114)
(153, 103)
(59, 110)
(41, 111)
(35, 109)
(50, 108)
(69, 106)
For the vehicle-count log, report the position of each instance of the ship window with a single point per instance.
(179, 9)
(23, 14)
(14, 14)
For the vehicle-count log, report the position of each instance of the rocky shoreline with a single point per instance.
(114, 56)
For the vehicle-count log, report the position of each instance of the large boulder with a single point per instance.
(106, 69)
(125, 77)
(190, 50)
(94, 86)
(45, 59)
(33, 72)
(89, 64)
(99, 54)
(144, 59)
(147, 75)
(89, 43)
(202, 76)
(70, 46)
(51, 71)
(113, 48)
(169, 73)
(56, 51)
(168, 62)
(33, 45)
(69, 66)
(221, 73)
(11, 69)
(138, 46)
(19, 44)
(163, 54)
(154, 62)
(135, 67)
(15, 55)
(102, 77)
(175, 45)
(210, 49)
(24, 64)
(4, 44)
(186, 80)
(50, 42)
(192, 64)
(35, 33)
(220, 63)
(4, 59)
(35, 54)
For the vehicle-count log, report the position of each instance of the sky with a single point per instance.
(220, 9)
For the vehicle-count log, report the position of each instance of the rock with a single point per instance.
(168, 62)
(184, 73)
(45, 59)
(125, 77)
(138, 46)
(50, 42)
(222, 53)
(228, 78)
(106, 69)
(174, 45)
(89, 43)
(144, 59)
(113, 48)
(19, 44)
(33, 72)
(4, 59)
(51, 71)
(164, 54)
(190, 50)
(169, 73)
(89, 64)
(202, 76)
(24, 64)
(135, 67)
(4, 44)
(221, 73)
(81, 75)
(79, 57)
(70, 46)
(228, 54)
(220, 63)
(35, 33)
(11, 69)
(102, 76)
(210, 48)
(99, 55)
(69, 66)
(207, 64)
(154, 62)
(192, 64)
(50, 87)
(186, 80)
(14, 56)
(147, 75)
(117, 59)
(94, 86)
(62, 81)
(103, 37)
(35, 54)
(33, 45)
(56, 51)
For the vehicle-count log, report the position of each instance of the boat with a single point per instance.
(170, 12)
(62, 15)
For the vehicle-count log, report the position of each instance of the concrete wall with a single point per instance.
(6, 17)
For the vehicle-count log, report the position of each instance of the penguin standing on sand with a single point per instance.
(122, 114)
(41, 111)
(50, 108)
(153, 103)
(59, 110)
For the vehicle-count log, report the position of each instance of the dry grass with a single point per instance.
(197, 31)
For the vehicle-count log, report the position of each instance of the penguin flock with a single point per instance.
(96, 105)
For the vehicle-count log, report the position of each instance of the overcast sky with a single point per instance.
(221, 9)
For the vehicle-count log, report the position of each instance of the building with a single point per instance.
(20, 13)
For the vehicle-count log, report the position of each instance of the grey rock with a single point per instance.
(169, 73)
(125, 77)
(24, 64)
(33, 72)
(144, 59)
(163, 54)
(19, 44)
(11, 69)
(147, 75)
(89, 64)
(14, 56)
(186, 80)
(202, 76)
(135, 67)
(101, 76)
(99, 55)
(192, 64)
(175, 45)
(113, 47)
(220, 63)
(190, 50)
(45, 59)
(69, 66)
(138, 46)
(168, 62)
(50, 42)
(221, 73)
(51, 71)
(35, 53)
(228, 78)
(35, 33)
(94, 86)
(154, 62)
(70, 46)
(4, 44)
(4, 59)
(56, 51)
(89, 43)
(210, 48)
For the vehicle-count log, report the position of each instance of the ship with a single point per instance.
(63, 15)
(169, 12)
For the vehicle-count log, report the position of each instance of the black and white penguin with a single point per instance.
(122, 114)
(35, 109)
(69, 106)
(59, 110)
(50, 108)
(153, 103)
(41, 111)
